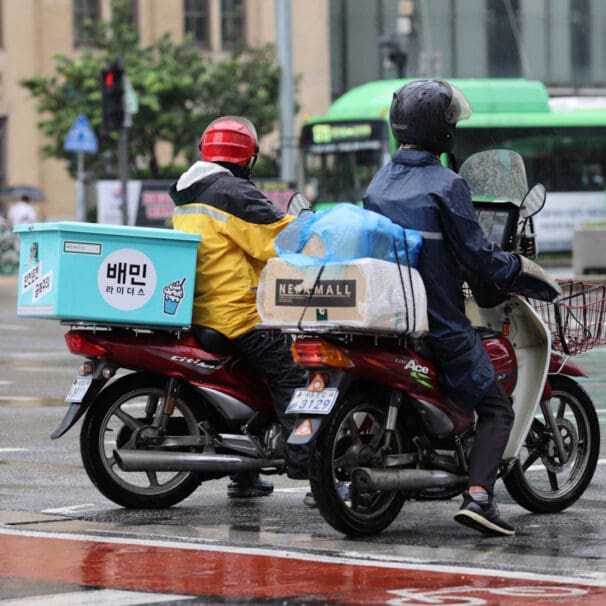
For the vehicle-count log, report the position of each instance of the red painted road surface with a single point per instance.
(240, 574)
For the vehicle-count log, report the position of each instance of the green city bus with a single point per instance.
(563, 142)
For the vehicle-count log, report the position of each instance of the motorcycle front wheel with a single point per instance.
(353, 438)
(540, 481)
(113, 422)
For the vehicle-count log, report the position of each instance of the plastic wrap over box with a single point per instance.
(106, 273)
(363, 294)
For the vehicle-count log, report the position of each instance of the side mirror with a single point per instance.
(297, 204)
(533, 201)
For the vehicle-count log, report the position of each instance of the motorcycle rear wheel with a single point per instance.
(539, 481)
(353, 434)
(110, 424)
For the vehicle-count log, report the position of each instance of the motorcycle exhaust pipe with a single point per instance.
(371, 480)
(163, 460)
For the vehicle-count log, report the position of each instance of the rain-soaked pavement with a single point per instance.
(62, 543)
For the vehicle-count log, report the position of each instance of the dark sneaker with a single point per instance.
(247, 487)
(309, 500)
(483, 517)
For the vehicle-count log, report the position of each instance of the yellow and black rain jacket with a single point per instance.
(238, 226)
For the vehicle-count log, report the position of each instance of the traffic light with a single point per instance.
(112, 97)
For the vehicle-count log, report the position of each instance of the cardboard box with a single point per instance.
(108, 274)
(366, 294)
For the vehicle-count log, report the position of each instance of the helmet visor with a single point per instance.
(459, 108)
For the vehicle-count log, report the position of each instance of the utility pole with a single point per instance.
(112, 104)
(123, 171)
(287, 104)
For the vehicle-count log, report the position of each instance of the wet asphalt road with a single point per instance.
(44, 488)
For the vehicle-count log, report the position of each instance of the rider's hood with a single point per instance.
(194, 180)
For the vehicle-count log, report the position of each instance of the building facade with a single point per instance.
(32, 32)
(560, 42)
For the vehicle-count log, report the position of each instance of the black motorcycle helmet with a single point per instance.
(425, 113)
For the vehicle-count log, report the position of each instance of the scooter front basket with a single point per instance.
(576, 319)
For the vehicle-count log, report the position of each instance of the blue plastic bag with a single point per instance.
(343, 233)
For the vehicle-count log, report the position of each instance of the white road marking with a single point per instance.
(16, 327)
(39, 355)
(540, 467)
(22, 399)
(96, 597)
(71, 509)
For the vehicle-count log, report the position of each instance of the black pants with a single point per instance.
(493, 426)
(269, 354)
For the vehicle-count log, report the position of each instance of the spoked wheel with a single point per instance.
(121, 418)
(541, 481)
(353, 438)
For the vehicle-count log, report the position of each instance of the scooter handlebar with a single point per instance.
(534, 282)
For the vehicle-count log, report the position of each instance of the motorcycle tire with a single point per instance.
(539, 481)
(353, 434)
(109, 424)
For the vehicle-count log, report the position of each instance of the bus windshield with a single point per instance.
(339, 159)
(341, 176)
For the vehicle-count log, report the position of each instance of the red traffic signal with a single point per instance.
(112, 97)
(109, 78)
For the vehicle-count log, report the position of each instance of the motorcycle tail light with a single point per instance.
(315, 353)
(87, 369)
(78, 344)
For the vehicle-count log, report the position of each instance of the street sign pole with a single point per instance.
(80, 139)
(131, 106)
(80, 193)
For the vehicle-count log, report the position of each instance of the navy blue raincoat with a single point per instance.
(416, 191)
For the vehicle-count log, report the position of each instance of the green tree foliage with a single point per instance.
(179, 92)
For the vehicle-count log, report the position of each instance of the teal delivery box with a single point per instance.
(110, 274)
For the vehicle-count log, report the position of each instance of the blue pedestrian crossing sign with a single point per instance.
(81, 137)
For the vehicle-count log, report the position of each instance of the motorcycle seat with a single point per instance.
(212, 340)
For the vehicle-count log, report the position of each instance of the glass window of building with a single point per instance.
(84, 10)
(580, 39)
(232, 23)
(503, 27)
(134, 14)
(196, 18)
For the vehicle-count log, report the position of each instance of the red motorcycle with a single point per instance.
(164, 411)
(179, 416)
(382, 429)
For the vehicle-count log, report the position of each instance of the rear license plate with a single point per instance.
(313, 402)
(79, 388)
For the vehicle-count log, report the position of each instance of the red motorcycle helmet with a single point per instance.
(229, 139)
